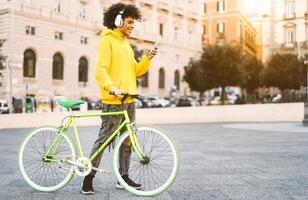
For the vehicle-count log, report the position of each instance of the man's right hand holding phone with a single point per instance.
(151, 53)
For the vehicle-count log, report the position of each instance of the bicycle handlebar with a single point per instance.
(126, 95)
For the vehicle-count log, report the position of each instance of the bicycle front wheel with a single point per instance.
(43, 172)
(158, 170)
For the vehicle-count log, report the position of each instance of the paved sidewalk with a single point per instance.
(247, 161)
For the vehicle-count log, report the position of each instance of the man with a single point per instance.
(116, 72)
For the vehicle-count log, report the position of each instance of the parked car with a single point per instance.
(18, 105)
(43, 104)
(185, 101)
(4, 106)
(158, 102)
(276, 98)
(98, 105)
(55, 103)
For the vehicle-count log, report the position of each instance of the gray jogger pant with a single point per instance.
(108, 126)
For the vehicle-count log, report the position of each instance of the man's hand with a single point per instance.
(152, 53)
(115, 91)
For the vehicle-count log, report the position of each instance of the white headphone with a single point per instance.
(118, 20)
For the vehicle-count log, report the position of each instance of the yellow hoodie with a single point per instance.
(116, 66)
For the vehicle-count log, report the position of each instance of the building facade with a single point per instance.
(223, 21)
(50, 46)
(289, 27)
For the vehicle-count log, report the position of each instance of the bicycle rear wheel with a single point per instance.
(49, 174)
(159, 168)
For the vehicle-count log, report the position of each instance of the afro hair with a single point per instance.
(113, 11)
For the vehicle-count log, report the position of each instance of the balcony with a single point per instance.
(179, 11)
(304, 45)
(289, 16)
(288, 45)
(193, 15)
(163, 5)
(149, 3)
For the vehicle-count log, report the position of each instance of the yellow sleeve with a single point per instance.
(143, 66)
(102, 64)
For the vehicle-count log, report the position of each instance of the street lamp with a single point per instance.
(305, 121)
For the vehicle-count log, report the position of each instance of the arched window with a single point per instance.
(83, 70)
(57, 66)
(177, 79)
(29, 63)
(161, 83)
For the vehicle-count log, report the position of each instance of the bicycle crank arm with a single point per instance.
(101, 170)
(75, 164)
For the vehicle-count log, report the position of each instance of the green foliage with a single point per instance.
(252, 69)
(195, 76)
(285, 72)
(219, 66)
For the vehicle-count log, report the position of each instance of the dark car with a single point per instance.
(183, 102)
(186, 101)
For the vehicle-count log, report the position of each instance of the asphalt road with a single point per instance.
(218, 161)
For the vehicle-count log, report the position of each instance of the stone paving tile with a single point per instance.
(217, 162)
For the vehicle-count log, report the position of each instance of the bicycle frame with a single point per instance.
(71, 121)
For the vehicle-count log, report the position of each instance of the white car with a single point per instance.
(4, 106)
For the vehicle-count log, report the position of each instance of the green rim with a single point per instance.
(21, 165)
(169, 181)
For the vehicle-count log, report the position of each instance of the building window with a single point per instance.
(289, 38)
(57, 67)
(161, 83)
(30, 30)
(221, 28)
(83, 40)
(221, 6)
(29, 63)
(204, 30)
(289, 10)
(83, 70)
(176, 33)
(57, 6)
(161, 29)
(177, 79)
(145, 80)
(204, 8)
(28, 3)
(82, 12)
(58, 35)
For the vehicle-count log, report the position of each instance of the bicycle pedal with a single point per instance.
(101, 170)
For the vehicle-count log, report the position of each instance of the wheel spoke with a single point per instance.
(159, 166)
(46, 174)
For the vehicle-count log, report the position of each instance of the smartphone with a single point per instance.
(153, 48)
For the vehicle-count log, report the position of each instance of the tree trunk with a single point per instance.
(223, 96)
(200, 97)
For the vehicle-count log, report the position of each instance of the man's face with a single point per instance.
(128, 26)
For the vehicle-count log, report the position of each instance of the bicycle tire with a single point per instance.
(43, 175)
(157, 154)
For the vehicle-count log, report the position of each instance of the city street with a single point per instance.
(238, 161)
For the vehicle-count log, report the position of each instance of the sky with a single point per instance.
(257, 6)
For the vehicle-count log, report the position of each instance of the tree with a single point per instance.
(219, 66)
(252, 69)
(284, 72)
(195, 76)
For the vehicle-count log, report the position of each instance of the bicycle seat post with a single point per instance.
(70, 111)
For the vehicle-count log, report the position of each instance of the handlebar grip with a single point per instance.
(111, 93)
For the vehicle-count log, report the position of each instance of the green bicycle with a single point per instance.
(48, 158)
